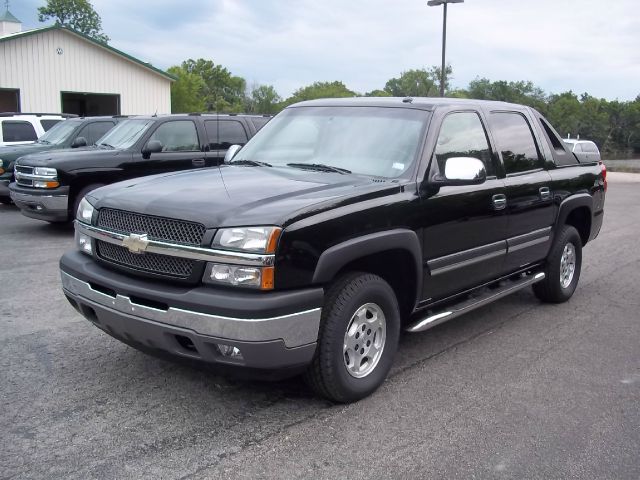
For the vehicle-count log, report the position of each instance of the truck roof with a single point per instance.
(423, 103)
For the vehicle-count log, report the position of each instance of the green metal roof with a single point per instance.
(7, 16)
(71, 31)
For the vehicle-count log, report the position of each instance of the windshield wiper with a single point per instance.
(106, 145)
(320, 167)
(253, 163)
(45, 142)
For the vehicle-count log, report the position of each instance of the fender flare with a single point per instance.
(571, 203)
(337, 256)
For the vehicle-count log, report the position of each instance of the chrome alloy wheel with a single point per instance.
(364, 340)
(567, 265)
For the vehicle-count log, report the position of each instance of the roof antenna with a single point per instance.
(155, 114)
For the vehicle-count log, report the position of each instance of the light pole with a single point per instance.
(436, 3)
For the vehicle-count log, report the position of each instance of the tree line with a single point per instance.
(203, 86)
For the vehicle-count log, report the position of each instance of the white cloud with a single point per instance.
(582, 45)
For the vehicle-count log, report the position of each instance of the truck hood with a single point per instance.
(68, 158)
(11, 153)
(240, 195)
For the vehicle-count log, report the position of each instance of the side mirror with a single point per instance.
(461, 171)
(154, 146)
(79, 142)
(231, 152)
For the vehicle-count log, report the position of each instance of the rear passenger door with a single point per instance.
(528, 189)
(221, 134)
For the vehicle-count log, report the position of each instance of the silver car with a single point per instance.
(585, 150)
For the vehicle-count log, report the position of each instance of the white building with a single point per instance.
(58, 70)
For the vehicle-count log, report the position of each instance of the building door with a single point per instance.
(90, 104)
(9, 100)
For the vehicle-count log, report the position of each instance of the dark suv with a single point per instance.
(341, 223)
(49, 185)
(72, 133)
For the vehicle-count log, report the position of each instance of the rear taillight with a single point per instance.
(604, 174)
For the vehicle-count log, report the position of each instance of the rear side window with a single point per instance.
(47, 124)
(260, 122)
(177, 136)
(515, 142)
(589, 147)
(17, 131)
(224, 133)
(462, 135)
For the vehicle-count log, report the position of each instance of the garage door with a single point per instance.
(90, 104)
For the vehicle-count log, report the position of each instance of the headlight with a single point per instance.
(248, 239)
(45, 172)
(85, 211)
(239, 275)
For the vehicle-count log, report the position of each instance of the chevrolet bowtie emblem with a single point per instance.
(136, 243)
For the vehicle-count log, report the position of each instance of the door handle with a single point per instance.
(545, 193)
(499, 201)
(198, 162)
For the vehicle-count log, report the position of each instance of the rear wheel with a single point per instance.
(358, 338)
(562, 271)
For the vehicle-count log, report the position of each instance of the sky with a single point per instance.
(580, 45)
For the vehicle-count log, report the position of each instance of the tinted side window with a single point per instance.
(47, 124)
(260, 122)
(515, 142)
(16, 131)
(224, 133)
(97, 130)
(177, 136)
(462, 135)
(589, 147)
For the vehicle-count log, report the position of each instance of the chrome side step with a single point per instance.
(470, 304)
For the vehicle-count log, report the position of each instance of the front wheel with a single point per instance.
(563, 267)
(358, 338)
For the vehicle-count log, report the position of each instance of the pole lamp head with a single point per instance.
(437, 3)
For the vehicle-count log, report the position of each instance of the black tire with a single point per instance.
(551, 289)
(79, 197)
(6, 201)
(328, 375)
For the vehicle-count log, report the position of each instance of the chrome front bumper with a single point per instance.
(296, 329)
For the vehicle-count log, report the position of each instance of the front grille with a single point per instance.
(148, 262)
(156, 228)
(22, 181)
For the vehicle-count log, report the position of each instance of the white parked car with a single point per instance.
(585, 150)
(18, 128)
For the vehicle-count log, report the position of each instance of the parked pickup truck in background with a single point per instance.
(50, 185)
(72, 133)
(341, 223)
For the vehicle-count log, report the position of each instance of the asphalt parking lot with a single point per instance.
(517, 389)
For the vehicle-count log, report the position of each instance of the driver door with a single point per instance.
(464, 227)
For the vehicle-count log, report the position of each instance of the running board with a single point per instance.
(470, 304)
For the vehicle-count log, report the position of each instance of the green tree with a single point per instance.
(377, 93)
(76, 14)
(222, 91)
(320, 90)
(418, 83)
(413, 83)
(186, 91)
(523, 92)
(263, 99)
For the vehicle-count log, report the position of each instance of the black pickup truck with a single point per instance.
(72, 133)
(49, 185)
(340, 224)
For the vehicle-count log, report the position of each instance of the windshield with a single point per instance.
(364, 140)
(59, 133)
(125, 134)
